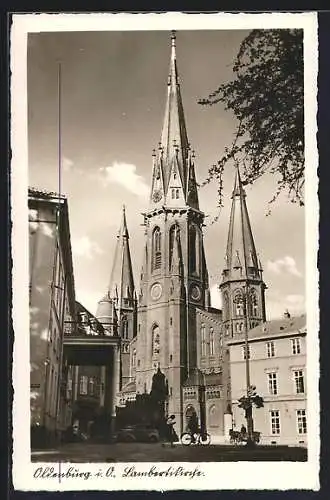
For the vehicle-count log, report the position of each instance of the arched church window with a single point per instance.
(211, 341)
(171, 244)
(174, 175)
(253, 303)
(155, 341)
(125, 327)
(177, 194)
(238, 304)
(193, 249)
(203, 340)
(173, 194)
(156, 248)
(226, 305)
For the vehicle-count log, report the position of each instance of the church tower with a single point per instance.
(242, 280)
(174, 279)
(121, 296)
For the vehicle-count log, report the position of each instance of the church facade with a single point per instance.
(167, 324)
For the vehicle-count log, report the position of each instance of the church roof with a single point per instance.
(241, 261)
(121, 286)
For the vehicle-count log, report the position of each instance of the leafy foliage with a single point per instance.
(267, 98)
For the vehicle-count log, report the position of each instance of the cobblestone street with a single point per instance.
(141, 452)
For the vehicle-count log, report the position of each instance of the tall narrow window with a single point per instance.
(301, 422)
(275, 422)
(171, 244)
(177, 194)
(125, 327)
(253, 303)
(226, 305)
(270, 346)
(299, 381)
(272, 383)
(155, 342)
(194, 256)
(156, 248)
(203, 339)
(295, 346)
(238, 304)
(134, 358)
(211, 342)
(173, 193)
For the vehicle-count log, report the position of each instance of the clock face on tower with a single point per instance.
(156, 291)
(157, 196)
(195, 292)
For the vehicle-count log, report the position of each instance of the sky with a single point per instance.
(113, 91)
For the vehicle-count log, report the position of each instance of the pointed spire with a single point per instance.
(121, 286)
(241, 256)
(174, 143)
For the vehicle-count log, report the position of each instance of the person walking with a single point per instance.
(170, 424)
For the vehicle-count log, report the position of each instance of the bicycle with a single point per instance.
(199, 438)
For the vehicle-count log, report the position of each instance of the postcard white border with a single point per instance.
(239, 475)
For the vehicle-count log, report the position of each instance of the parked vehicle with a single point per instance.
(138, 433)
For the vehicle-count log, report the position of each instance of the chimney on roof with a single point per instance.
(287, 314)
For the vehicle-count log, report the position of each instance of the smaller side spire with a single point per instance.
(121, 286)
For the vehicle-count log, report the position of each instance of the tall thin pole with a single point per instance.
(59, 138)
(59, 131)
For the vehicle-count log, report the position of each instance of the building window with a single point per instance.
(177, 193)
(226, 305)
(171, 244)
(272, 383)
(174, 175)
(301, 422)
(125, 327)
(83, 385)
(253, 303)
(244, 352)
(270, 349)
(156, 248)
(155, 341)
(138, 363)
(134, 358)
(171, 321)
(171, 358)
(295, 343)
(238, 305)
(203, 340)
(91, 386)
(275, 422)
(211, 342)
(173, 193)
(299, 381)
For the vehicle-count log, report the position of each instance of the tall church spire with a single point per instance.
(241, 261)
(173, 180)
(121, 286)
